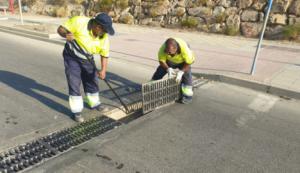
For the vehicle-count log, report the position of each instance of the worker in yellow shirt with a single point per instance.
(176, 54)
(85, 37)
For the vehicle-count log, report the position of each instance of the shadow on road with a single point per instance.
(128, 90)
(30, 87)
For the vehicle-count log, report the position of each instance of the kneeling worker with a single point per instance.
(85, 38)
(176, 54)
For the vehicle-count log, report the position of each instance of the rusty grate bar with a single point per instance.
(158, 93)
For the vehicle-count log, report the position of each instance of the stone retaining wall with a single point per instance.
(231, 17)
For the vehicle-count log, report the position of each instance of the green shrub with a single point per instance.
(221, 17)
(197, 3)
(78, 1)
(121, 3)
(105, 5)
(189, 22)
(202, 2)
(231, 30)
(162, 2)
(58, 2)
(291, 32)
(29, 2)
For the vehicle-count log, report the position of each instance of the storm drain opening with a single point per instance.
(155, 94)
(25, 156)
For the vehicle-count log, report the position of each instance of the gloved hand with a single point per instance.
(171, 73)
(179, 76)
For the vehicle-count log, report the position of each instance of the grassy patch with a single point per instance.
(78, 1)
(190, 22)
(231, 30)
(105, 5)
(121, 3)
(197, 3)
(291, 32)
(30, 2)
(221, 17)
(202, 2)
(59, 2)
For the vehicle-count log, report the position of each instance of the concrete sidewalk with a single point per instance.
(223, 58)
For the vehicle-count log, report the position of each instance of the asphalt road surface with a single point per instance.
(226, 128)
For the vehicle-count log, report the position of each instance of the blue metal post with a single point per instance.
(261, 37)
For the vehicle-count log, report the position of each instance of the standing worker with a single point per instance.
(176, 54)
(85, 38)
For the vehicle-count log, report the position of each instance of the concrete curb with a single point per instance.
(281, 92)
(31, 34)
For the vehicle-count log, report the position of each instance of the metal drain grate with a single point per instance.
(26, 156)
(158, 93)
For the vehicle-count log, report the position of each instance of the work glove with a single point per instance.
(171, 73)
(179, 76)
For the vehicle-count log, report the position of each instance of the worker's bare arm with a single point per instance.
(186, 67)
(102, 72)
(164, 65)
(63, 32)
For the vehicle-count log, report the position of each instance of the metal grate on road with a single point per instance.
(158, 93)
(26, 156)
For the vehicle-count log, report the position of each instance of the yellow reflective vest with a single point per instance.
(78, 25)
(186, 55)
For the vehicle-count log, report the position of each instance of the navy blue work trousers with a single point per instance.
(79, 70)
(161, 72)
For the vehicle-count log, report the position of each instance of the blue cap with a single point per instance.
(105, 21)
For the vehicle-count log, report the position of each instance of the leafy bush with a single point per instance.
(221, 17)
(231, 30)
(197, 3)
(29, 2)
(291, 32)
(78, 1)
(105, 5)
(202, 2)
(190, 22)
(121, 3)
(58, 2)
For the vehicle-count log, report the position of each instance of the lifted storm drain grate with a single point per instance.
(158, 93)
(25, 156)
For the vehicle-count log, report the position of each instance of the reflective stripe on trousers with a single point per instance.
(79, 70)
(76, 103)
(92, 99)
(187, 90)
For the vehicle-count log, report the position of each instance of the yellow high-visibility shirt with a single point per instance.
(78, 25)
(186, 54)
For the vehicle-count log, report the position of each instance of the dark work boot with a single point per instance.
(101, 108)
(78, 118)
(186, 99)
